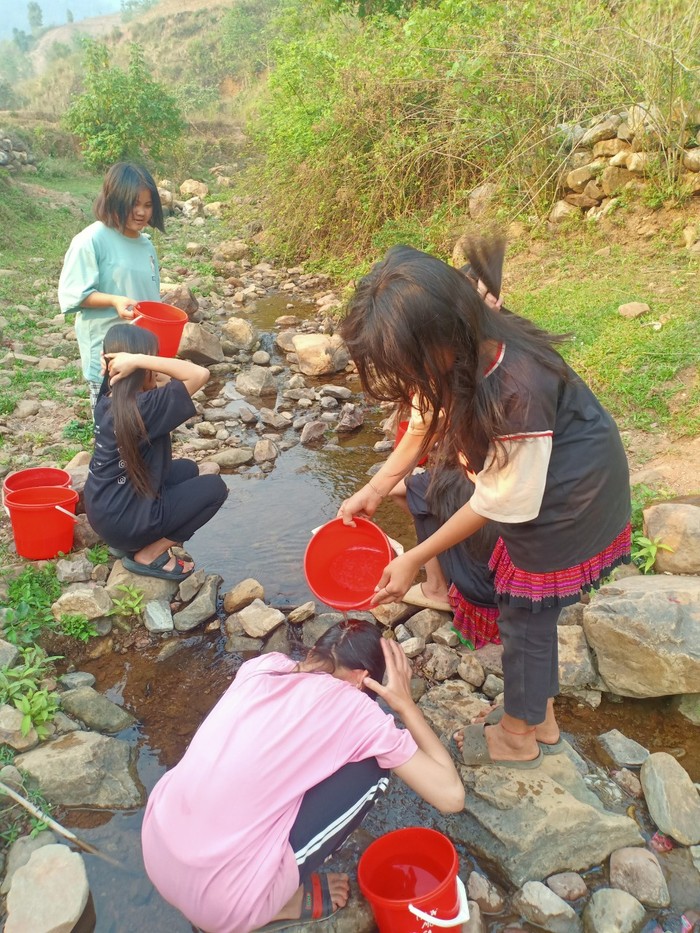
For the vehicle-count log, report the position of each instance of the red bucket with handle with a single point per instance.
(43, 519)
(35, 476)
(165, 321)
(410, 879)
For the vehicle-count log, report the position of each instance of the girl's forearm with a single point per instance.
(100, 300)
(191, 374)
(399, 463)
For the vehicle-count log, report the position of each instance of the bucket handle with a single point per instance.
(139, 317)
(462, 913)
(60, 508)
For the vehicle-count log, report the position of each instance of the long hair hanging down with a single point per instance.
(418, 327)
(129, 428)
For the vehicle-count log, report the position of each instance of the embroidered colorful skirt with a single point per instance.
(559, 587)
(475, 625)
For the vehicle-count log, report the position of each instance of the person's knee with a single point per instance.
(217, 488)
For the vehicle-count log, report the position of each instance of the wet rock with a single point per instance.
(21, 851)
(628, 781)
(277, 641)
(341, 393)
(261, 358)
(542, 907)
(623, 751)
(8, 654)
(485, 893)
(471, 671)
(49, 893)
(449, 706)
(95, 710)
(76, 570)
(532, 827)
(689, 706)
(202, 607)
(568, 885)
(312, 432)
(273, 419)
(302, 613)
(11, 730)
(638, 872)
(77, 679)
(89, 602)
(259, 620)
(352, 417)
(265, 451)
(256, 381)
(243, 594)
(241, 333)
(157, 616)
(200, 345)
(672, 798)
(412, 647)
(318, 354)
(677, 525)
(83, 769)
(242, 644)
(150, 587)
(613, 911)
(645, 632)
(314, 628)
(189, 588)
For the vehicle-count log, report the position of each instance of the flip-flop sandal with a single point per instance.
(316, 904)
(475, 752)
(156, 568)
(416, 597)
(548, 748)
(119, 553)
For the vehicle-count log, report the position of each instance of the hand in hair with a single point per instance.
(120, 365)
(397, 690)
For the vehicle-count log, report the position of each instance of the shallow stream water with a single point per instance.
(261, 532)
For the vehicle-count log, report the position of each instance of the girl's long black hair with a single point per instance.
(129, 428)
(354, 644)
(416, 326)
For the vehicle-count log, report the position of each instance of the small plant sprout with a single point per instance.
(644, 551)
(78, 626)
(130, 605)
(98, 554)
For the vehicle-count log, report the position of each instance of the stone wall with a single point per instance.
(14, 154)
(616, 153)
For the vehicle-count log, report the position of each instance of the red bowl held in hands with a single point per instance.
(343, 564)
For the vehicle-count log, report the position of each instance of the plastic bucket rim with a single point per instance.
(340, 604)
(11, 501)
(406, 832)
(180, 317)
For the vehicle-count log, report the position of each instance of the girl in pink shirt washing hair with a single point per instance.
(283, 769)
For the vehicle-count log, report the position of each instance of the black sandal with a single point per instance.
(156, 568)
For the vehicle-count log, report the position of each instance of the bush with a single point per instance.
(122, 115)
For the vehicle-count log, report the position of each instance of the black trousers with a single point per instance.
(332, 810)
(530, 660)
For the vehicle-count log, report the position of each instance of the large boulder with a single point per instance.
(200, 346)
(645, 632)
(677, 525)
(49, 893)
(318, 354)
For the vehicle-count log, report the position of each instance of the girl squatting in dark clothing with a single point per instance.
(137, 498)
(546, 459)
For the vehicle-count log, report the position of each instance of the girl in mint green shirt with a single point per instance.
(112, 264)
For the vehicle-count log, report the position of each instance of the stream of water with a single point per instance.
(261, 532)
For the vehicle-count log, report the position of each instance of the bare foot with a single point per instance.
(505, 746)
(338, 887)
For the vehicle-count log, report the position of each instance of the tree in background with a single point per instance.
(34, 16)
(122, 114)
(69, 16)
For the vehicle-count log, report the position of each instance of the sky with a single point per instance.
(13, 13)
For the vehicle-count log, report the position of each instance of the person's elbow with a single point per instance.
(202, 377)
(453, 797)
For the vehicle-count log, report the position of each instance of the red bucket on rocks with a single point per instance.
(165, 321)
(343, 564)
(410, 879)
(43, 519)
(35, 476)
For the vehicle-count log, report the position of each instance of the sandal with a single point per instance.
(156, 568)
(547, 748)
(416, 597)
(475, 753)
(316, 904)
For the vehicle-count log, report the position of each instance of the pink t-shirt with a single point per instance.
(216, 828)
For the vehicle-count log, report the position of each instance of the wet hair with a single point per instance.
(416, 326)
(129, 429)
(120, 189)
(353, 644)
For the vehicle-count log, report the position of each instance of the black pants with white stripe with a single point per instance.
(332, 810)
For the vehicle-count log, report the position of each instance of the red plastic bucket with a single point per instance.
(343, 564)
(43, 518)
(410, 879)
(35, 476)
(165, 321)
(400, 431)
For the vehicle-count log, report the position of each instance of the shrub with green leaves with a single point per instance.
(122, 114)
(21, 686)
(78, 626)
(30, 597)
